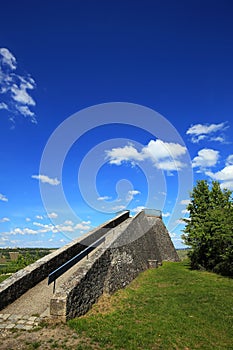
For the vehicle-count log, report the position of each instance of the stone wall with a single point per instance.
(13, 287)
(113, 265)
(164, 242)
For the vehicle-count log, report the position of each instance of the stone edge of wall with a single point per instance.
(16, 285)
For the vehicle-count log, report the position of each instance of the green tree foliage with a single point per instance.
(209, 228)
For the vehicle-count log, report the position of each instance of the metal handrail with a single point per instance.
(70, 263)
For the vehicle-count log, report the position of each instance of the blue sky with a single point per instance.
(160, 76)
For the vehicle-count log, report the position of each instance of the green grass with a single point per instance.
(167, 308)
(3, 277)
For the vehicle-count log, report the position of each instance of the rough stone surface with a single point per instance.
(164, 242)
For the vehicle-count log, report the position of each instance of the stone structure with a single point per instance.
(12, 288)
(131, 246)
(128, 250)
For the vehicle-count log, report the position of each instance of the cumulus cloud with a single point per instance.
(67, 226)
(158, 150)
(3, 198)
(52, 215)
(40, 228)
(166, 215)
(23, 231)
(84, 226)
(131, 194)
(123, 154)
(185, 211)
(15, 88)
(163, 155)
(4, 220)
(39, 217)
(199, 132)
(47, 179)
(206, 158)
(225, 176)
(137, 209)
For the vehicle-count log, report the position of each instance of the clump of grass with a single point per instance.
(34, 345)
(171, 307)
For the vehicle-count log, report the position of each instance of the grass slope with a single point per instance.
(167, 308)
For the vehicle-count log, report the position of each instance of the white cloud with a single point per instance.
(131, 194)
(225, 174)
(67, 226)
(20, 94)
(163, 193)
(229, 160)
(14, 88)
(170, 165)
(24, 231)
(185, 201)
(26, 112)
(4, 220)
(200, 132)
(157, 150)
(163, 155)
(7, 58)
(123, 154)
(3, 105)
(228, 185)
(172, 234)
(85, 226)
(69, 222)
(28, 219)
(39, 217)
(180, 222)
(47, 179)
(165, 215)
(185, 211)
(52, 215)
(137, 209)
(104, 198)
(206, 158)
(220, 139)
(118, 207)
(3, 198)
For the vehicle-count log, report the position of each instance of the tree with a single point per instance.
(209, 228)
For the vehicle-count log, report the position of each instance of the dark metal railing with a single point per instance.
(70, 263)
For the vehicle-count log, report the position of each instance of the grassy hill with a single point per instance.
(167, 308)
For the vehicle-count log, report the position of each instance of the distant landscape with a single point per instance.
(14, 259)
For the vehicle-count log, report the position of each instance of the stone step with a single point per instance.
(23, 322)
